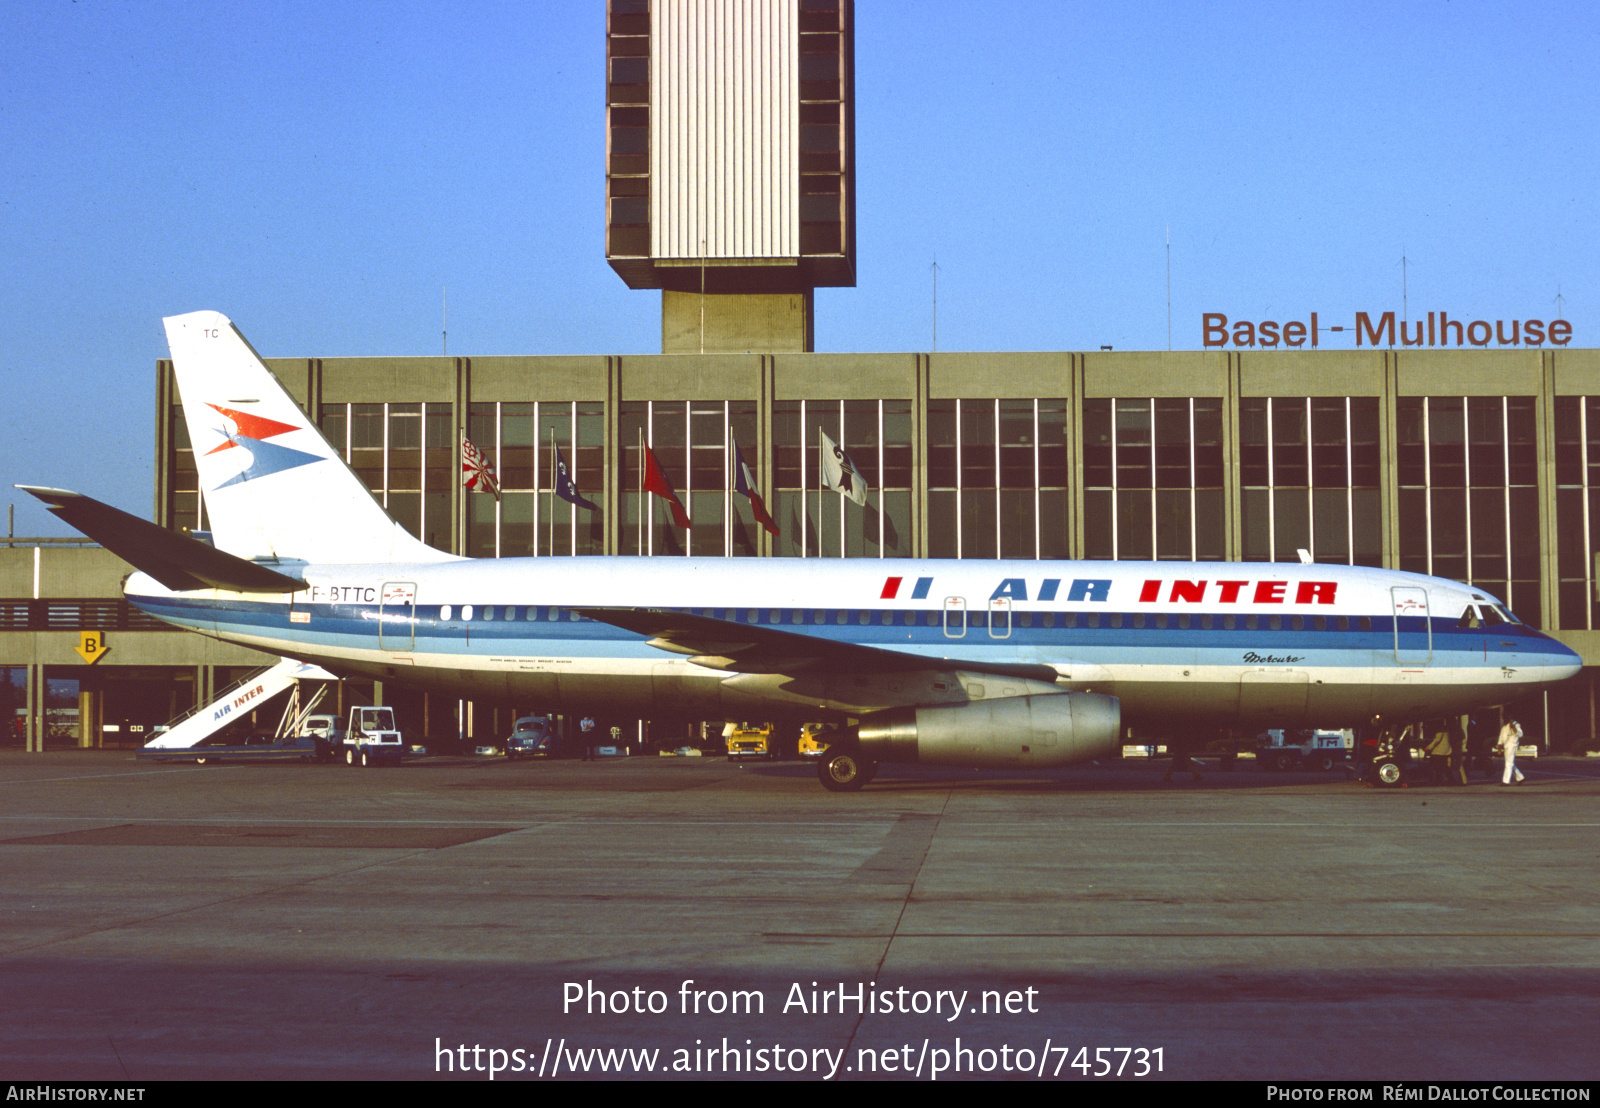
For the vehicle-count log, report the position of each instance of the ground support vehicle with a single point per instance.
(750, 741)
(372, 737)
(255, 748)
(814, 739)
(1286, 750)
(532, 737)
(216, 730)
(1392, 757)
(330, 729)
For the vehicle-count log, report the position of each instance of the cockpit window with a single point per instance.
(1469, 618)
(1505, 614)
(1491, 615)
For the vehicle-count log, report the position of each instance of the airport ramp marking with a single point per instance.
(334, 836)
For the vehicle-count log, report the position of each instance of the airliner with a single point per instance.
(954, 663)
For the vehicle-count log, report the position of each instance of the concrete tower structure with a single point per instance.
(730, 165)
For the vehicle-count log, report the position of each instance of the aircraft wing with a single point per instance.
(753, 648)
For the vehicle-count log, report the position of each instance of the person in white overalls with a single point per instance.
(1510, 739)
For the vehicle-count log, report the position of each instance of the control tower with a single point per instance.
(730, 175)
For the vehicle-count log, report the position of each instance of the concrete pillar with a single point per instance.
(1549, 564)
(765, 452)
(460, 410)
(614, 447)
(1075, 510)
(921, 374)
(1388, 448)
(1232, 480)
(34, 739)
(89, 708)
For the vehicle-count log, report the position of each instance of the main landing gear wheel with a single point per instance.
(845, 771)
(1387, 774)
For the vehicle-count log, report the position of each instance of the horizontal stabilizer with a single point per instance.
(171, 557)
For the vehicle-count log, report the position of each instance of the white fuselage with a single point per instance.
(1181, 644)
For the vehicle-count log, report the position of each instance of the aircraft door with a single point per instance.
(955, 617)
(1277, 696)
(397, 616)
(1413, 630)
(1000, 617)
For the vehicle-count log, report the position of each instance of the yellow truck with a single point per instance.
(749, 740)
(814, 739)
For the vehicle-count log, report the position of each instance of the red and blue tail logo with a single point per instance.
(266, 458)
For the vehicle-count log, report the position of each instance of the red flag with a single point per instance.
(655, 481)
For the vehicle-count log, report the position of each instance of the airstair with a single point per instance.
(205, 720)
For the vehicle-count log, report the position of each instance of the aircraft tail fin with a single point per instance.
(273, 486)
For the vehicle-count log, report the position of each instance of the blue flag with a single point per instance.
(565, 488)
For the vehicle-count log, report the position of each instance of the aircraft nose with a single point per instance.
(1562, 657)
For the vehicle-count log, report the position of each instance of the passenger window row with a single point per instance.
(507, 613)
(468, 613)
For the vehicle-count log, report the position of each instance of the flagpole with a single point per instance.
(727, 491)
(498, 436)
(844, 501)
(641, 492)
(553, 476)
(821, 461)
(844, 512)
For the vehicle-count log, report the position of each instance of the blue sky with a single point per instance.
(319, 171)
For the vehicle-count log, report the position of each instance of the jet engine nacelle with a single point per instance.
(1055, 729)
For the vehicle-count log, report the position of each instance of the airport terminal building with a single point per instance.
(730, 182)
(1472, 465)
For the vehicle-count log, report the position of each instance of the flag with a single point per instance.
(566, 488)
(744, 482)
(840, 473)
(655, 481)
(475, 468)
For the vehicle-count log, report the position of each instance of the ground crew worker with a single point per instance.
(1439, 752)
(1510, 739)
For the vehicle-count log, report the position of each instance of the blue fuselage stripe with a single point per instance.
(1123, 636)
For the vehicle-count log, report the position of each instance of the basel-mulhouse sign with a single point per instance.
(1438, 329)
